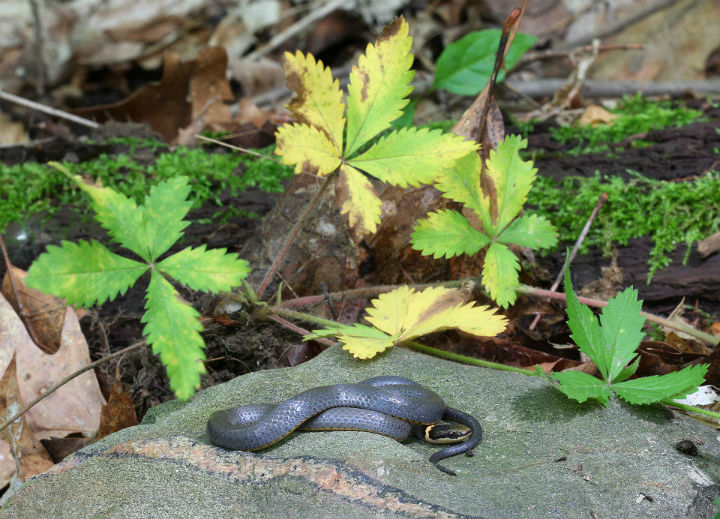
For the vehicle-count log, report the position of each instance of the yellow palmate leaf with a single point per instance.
(318, 99)
(308, 148)
(407, 314)
(389, 311)
(358, 200)
(379, 85)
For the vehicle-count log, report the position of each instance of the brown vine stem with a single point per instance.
(293, 233)
(573, 252)
(68, 379)
(302, 302)
(522, 289)
(676, 325)
(283, 313)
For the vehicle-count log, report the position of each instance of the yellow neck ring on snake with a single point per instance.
(392, 406)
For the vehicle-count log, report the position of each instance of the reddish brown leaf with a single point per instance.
(119, 412)
(29, 454)
(43, 314)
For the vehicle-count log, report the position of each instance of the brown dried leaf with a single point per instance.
(119, 412)
(43, 314)
(29, 456)
(75, 407)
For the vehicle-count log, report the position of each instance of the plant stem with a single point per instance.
(467, 360)
(291, 237)
(302, 302)
(693, 409)
(676, 325)
(290, 314)
(68, 379)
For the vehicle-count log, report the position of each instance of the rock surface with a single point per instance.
(542, 456)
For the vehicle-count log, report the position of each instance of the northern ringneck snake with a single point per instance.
(388, 405)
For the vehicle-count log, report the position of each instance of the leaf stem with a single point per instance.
(290, 314)
(693, 409)
(293, 233)
(68, 379)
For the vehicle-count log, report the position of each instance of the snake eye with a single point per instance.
(446, 433)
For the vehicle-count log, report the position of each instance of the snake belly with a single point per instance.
(385, 405)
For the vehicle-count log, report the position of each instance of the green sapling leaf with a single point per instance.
(165, 207)
(500, 274)
(585, 329)
(532, 231)
(628, 371)
(581, 386)
(173, 329)
(83, 273)
(464, 67)
(447, 233)
(622, 324)
(656, 388)
(207, 270)
(612, 345)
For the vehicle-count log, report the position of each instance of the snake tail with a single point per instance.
(455, 415)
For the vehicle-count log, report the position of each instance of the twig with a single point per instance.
(530, 57)
(293, 233)
(574, 250)
(612, 28)
(676, 325)
(68, 379)
(39, 57)
(299, 26)
(298, 329)
(47, 109)
(238, 148)
(503, 45)
(601, 88)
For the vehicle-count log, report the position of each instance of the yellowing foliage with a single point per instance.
(378, 90)
(404, 314)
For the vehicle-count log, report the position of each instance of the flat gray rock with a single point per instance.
(542, 456)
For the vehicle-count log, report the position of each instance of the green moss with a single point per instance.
(636, 115)
(32, 188)
(671, 213)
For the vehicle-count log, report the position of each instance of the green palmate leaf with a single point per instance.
(307, 147)
(622, 330)
(207, 270)
(318, 98)
(581, 386)
(462, 184)
(647, 390)
(412, 157)
(164, 210)
(447, 233)
(465, 66)
(83, 273)
(628, 371)
(585, 329)
(532, 231)
(358, 200)
(500, 274)
(173, 329)
(123, 219)
(379, 85)
(509, 178)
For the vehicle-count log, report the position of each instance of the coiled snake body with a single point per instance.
(388, 405)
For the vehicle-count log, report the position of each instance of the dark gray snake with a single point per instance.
(387, 405)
